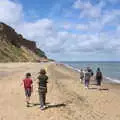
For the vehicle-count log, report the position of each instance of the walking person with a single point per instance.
(42, 88)
(90, 71)
(87, 78)
(99, 77)
(81, 75)
(28, 86)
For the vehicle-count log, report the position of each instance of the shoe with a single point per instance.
(28, 104)
(42, 107)
(46, 106)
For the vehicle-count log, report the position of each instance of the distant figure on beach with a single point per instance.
(81, 75)
(87, 78)
(99, 77)
(28, 86)
(42, 88)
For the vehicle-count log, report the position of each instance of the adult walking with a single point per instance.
(81, 75)
(90, 71)
(87, 78)
(99, 77)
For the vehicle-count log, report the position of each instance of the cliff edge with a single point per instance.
(15, 48)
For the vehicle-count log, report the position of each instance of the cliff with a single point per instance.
(15, 48)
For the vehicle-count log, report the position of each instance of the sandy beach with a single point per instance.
(67, 98)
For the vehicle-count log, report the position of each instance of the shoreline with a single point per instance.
(106, 84)
(67, 98)
(106, 79)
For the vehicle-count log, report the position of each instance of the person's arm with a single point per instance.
(101, 76)
(31, 86)
(37, 79)
(22, 83)
(47, 79)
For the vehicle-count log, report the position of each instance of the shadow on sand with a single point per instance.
(56, 105)
(37, 104)
(50, 105)
(101, 89)
(92, 88)
(104, 89)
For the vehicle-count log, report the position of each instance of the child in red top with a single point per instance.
(28, 87)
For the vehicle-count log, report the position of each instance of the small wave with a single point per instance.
(69, 66)
(112, 80)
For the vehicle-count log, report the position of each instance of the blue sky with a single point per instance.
(68, 29)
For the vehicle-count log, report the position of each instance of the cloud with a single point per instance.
(113, 1)
(87, 9)
(10, 12)
(57, 40)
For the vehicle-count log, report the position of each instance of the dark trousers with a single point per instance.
(42, 98)
(87, 83)
(99, 82)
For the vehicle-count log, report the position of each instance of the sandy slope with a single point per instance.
(67, 98)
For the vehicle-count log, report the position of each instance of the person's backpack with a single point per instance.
(92, 73)
(87, 76)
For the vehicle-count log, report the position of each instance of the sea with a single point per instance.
(110, 69)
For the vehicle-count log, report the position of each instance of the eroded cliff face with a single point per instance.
(14, 45)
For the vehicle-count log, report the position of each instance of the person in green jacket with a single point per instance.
(42, 88)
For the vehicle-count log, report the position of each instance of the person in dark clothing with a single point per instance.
(99, 76)
(42, 88)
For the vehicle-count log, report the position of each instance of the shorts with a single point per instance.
(28, 92)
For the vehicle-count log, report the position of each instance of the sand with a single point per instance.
(67, 98)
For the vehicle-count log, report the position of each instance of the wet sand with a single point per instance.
(67, 98)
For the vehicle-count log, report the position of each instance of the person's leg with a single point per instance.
(29, 95)
(81, 79)
(99, 84)
(44, 98)
(86, 83)
(40, 97)
(97, 81)
(26, 94)
(27, 101)
(41, 100)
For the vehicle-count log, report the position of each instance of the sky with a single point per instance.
(68, 30)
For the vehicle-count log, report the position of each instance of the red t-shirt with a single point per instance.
(27, 83)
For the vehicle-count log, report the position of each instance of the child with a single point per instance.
(28, 86)
(42, 88)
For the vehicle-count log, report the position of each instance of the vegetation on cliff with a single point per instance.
(15, 48)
